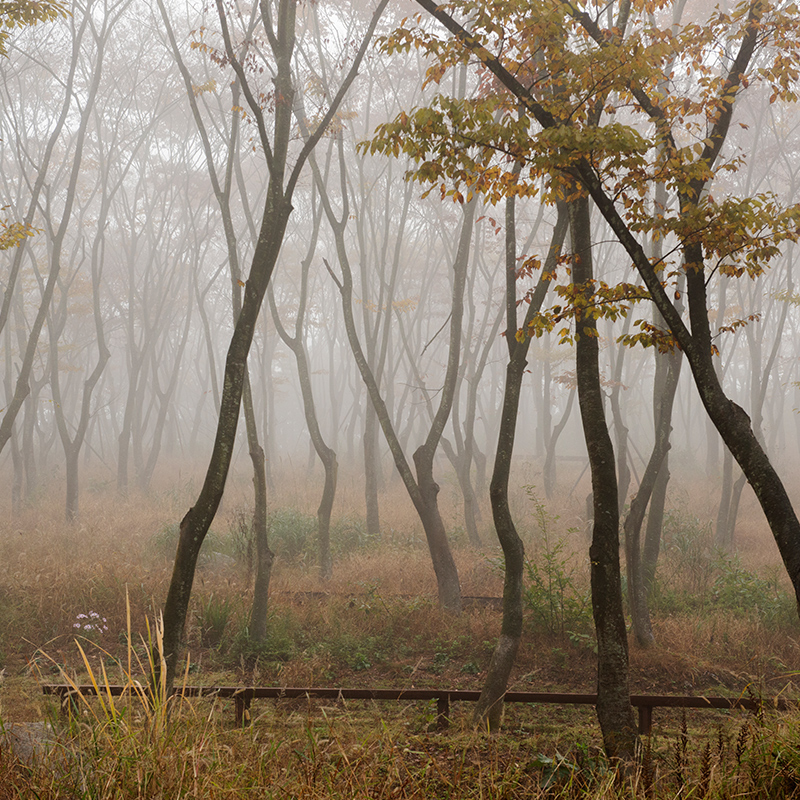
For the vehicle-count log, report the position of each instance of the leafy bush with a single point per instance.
(558, 604)
(356, 651)
(349, 535)
(279, 644)
(291, 535)
(212, 617)
(685, 569)
(693, 575)
(744, 593)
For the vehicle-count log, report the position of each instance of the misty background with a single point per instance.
(121, 301)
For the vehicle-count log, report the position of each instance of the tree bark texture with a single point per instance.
(614, 710)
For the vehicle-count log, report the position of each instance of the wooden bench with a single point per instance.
(244, 695)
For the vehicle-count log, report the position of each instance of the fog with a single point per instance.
(120, 302)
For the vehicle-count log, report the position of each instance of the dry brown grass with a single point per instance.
(51, 572)
(377, 625)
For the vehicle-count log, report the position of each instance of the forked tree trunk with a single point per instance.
(422, 489)
(326, 454)
(277, 209)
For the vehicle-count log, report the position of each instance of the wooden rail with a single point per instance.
(244, 695)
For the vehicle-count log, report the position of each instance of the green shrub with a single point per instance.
(349, 535)
(745, 593)
(280, 643)
(212, 617)
(692, 575)
(356, 651)
(292, 535)
(685, 569)
(558, 604)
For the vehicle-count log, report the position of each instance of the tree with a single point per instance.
(326, 454)
(422, 488)
(489, 708)
(222, 193)
(613, 689)
(17, 14)
(597, 70)
(279, 29)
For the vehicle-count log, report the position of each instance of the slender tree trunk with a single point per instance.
(724, 508)
(423, 490)
(614, 709)
(655, 525)
(264, 556)
(620, 429)
(19, 474)
(488, 710)
(326, 454)
(222, 192)
(640, 571)
(371, 470)
(549, 470)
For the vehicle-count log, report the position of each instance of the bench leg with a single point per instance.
(242, 710)
(443, 711)
(645, 720)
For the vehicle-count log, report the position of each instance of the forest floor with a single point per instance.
(724, 624)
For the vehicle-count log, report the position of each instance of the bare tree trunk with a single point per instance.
(488, 710)
(325, 453)
(620, 429)
(264, 556)
(614, 709)
(372, 468)
(641, 571)
(423, 490)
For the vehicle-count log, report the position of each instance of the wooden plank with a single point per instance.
(244, 695)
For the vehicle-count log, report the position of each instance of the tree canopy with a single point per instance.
(23, 13)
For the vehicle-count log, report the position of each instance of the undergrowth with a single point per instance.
(145, 747)
(377, 624)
